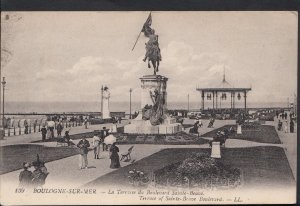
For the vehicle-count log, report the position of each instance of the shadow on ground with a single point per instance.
(260, 133)
(13, 156)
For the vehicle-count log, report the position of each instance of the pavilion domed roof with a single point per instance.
(224, 83)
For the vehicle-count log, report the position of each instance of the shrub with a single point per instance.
(198, 170)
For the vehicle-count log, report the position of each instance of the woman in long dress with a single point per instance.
(114, 156)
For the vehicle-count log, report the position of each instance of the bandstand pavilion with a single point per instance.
(221, 91)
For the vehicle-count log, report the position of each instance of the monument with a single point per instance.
(105, 95)
(153, 117)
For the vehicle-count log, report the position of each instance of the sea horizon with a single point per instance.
(118, 106)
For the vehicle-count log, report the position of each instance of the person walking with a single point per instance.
(26, 127)
(104, 133)
(285, 115)
(34, 125)
(83, 145)
(44, 132)
(286, 126)
(59, 129)
(96, 146)
(114, 156)
(85, 123)
(292, 126)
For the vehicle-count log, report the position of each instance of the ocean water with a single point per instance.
(49, 107)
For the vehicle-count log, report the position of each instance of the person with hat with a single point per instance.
(38, 175)
(96, 146)
(83, 145)
(59, 129)
(104, 133)
(44, 132)
(26, 176)
(114, 156)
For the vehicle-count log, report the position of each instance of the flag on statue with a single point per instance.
(146, 28)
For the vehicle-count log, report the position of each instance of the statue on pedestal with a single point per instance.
(152, 46)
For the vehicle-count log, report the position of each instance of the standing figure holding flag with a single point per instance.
(152, 46)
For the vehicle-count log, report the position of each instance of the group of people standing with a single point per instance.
(97, 141)
(48, 130)
(285, 124)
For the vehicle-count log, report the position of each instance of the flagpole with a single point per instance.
(138, 36)
(136, 40)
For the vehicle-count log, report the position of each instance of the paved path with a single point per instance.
(66, 172)
(289, 141)
(27, 138)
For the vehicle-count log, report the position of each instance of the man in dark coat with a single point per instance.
(83, 145)
(39, 175)
(292, 126)
(25, 177)
(44, 132)
(59, 129)
(104, 133)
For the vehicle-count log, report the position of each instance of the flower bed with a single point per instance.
(173, 139)
(199, 171)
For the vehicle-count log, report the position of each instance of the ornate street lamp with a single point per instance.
(3, 86)
(102, 101)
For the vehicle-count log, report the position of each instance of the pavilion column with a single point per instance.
(220, 101)
(245, 97)
(233, 102)
(230, 100)
(213, 99)
(216, 99)
(203, 100)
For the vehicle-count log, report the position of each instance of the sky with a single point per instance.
(67, 56)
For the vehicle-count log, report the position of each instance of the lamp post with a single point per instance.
(3, 86)
(130, 91)
(188, 96)
(102, 102)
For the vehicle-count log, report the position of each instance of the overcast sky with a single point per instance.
(67, 56)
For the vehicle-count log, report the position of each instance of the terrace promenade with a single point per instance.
(66, 172)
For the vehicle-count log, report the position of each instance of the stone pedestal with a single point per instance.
(215, 150)
(239, 129)
(149, 84)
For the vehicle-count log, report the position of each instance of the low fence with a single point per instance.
(18, 129)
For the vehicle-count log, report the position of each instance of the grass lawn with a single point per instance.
(259, 165)
(13, 156)
(261, 133)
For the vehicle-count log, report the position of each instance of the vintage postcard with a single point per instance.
(140, 107)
